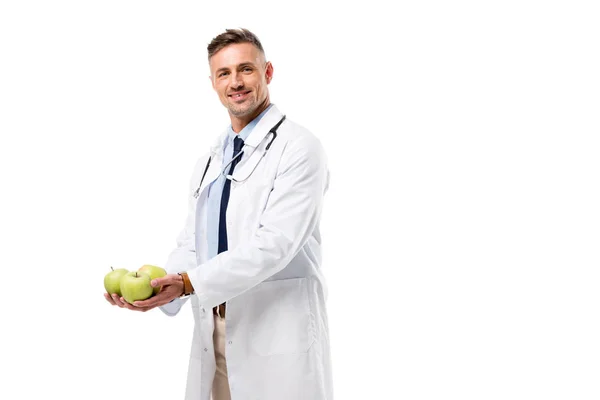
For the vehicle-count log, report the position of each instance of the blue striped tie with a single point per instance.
(237, 147)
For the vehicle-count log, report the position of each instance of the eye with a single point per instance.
(247, 69)
(222, 74)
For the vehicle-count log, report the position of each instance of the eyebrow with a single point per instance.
(244, 64)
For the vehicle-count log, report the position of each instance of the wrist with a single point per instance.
(182, 286)
(188, 289)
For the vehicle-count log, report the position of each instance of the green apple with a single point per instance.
(154, 272)
(112, 280)
(136, 286)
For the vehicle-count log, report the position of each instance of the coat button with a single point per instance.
(205, 349)
(230, 342)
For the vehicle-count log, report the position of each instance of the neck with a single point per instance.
(239, 123)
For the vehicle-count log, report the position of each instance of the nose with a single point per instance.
(236, 80)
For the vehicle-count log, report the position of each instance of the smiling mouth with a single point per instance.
(239, 96)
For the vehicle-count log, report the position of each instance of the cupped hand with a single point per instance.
(119, 301)
(172, 288)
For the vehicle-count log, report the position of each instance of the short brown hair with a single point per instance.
(233, 36)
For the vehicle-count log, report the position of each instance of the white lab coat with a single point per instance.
(277, 334)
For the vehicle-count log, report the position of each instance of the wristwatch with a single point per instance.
(188, 289)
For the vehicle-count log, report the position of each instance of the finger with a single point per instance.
(109, 299)
(166, 295)
(166, 280)
(118, 300)
(131, 307)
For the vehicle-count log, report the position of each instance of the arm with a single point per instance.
(291, 215)
(183, 257)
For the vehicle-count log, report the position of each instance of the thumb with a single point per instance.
(165, 280)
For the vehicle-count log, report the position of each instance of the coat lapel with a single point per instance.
(256, 144)
(216, 158)
(254, 149)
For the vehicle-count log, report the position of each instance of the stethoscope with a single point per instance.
(273, 130)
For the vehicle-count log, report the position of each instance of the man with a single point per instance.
(249, 255)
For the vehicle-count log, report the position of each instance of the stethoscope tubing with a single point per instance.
(273, 130)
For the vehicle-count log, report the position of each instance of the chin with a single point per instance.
(240, 112)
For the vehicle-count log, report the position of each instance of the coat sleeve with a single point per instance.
(183, 257)
(290, 217)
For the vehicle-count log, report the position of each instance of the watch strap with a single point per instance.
(188, 289)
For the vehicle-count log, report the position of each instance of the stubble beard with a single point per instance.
(243, 109)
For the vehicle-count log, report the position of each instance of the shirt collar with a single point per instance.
(253, 138)
(245, 132)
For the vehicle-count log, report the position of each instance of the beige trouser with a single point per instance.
(220, 388)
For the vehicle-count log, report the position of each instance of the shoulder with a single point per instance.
(302, 149)
(299, 139)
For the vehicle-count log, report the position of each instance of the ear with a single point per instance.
(212, 82)
(269, 72)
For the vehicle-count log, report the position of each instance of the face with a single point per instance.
(240, 76)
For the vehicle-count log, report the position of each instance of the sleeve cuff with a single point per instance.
(171, 309)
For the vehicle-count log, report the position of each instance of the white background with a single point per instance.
(461, 230)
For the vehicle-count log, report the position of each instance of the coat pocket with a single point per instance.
(281, 321)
